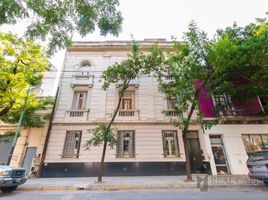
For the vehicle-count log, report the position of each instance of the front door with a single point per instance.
(30, 154)
(195, 152)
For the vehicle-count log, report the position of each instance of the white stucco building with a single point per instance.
(147, 144)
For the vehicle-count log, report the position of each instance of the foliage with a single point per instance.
(240, 57)
(186, 65)
(31, 117)
(7, 134)
(22, 66)
(99, 134)
(57, 20)
(137, 64)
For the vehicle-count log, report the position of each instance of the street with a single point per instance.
(245, 193)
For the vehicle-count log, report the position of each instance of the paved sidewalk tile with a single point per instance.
(136, 182)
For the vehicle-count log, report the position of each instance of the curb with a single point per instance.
(127, 187)
(46, 188)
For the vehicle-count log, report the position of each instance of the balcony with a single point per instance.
(77, 115)
(134, 83)
(230, 112)
(128, 115)
(82, 79)
(169, 113)
(239, 116)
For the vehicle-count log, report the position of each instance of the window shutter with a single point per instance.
(164, 144)
(177, 152)
(119, 145)
(69, 145)
(132, 144)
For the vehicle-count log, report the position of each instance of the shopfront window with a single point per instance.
(255, 142)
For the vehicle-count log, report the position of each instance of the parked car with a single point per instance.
(257, 164)
(11, 177)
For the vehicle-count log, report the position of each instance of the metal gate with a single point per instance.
(27, 162)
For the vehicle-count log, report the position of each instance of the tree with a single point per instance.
(57, 20)
(187, 65)
(136, 65)
(31, 117)
(22, 66)
(241, 54)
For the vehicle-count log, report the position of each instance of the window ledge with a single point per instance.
(61, 155)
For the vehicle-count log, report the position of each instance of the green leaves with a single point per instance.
(34, 109)
(57, 20)
(22, 66)
(99, 134)
(240, 54)
(186, 64)
(136, 64)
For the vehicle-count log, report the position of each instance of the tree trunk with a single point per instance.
(186, 146)
(5, 111)
(102, 162)
(187, 156)
(100, 174)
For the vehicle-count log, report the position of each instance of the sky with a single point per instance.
(166, 18)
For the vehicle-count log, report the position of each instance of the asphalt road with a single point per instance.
(256, 193)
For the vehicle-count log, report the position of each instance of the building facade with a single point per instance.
(242, 128)
(147, 143)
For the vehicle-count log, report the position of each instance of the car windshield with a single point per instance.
(257, 156)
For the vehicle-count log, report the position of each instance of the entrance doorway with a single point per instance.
(219, 154)
(195, 152)
(27, 162)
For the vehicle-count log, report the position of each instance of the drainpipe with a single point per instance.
(48, 134)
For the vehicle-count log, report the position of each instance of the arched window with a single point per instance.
(85, 63)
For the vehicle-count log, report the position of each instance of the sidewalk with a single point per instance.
(137, 182)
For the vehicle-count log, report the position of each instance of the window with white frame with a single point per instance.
(79, 100)
(170, 144)
(127, 102)
(125, 147)
(72, 144)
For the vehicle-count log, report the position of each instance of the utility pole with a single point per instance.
(18, 128)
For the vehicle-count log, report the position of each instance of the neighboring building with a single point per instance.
(28, 151)
(241, 129)
(147, 143)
